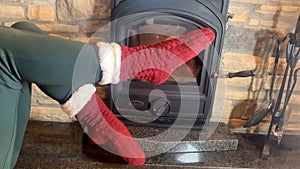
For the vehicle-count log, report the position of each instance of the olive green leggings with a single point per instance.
(58, 67)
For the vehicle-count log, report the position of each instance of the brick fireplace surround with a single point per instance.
(247, 39)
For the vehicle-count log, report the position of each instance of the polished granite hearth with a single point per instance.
(153, 140)
(53, 145)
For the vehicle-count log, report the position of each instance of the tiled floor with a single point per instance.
(52, 145)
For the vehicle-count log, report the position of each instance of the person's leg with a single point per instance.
(58, 92)
(27, 26)
(8, 115)
(58, 66)
(23, 113)
(128, 145)
(10, 102)
(50, 61)
(154, 63)
(24, 101)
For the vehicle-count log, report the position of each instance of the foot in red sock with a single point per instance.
(156, 62)
(153, 63)
(102, 126)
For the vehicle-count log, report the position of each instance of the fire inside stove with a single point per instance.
(186, 74)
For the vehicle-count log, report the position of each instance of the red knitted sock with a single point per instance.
(104, 128)
(156, 62)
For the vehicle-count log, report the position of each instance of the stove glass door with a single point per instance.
(151, 30)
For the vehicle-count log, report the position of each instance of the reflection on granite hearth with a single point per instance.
(52, 145)
(185, 142)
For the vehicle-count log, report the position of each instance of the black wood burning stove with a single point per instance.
(141, 22)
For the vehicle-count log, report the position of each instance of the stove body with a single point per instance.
(189, 94)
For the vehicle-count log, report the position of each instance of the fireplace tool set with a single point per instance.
(278, 107)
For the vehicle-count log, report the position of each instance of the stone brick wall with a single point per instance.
(248, 45)
(74, 19)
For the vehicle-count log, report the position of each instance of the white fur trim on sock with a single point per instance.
(78, 100)
(110, 62)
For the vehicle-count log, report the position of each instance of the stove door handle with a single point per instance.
(245, 73)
